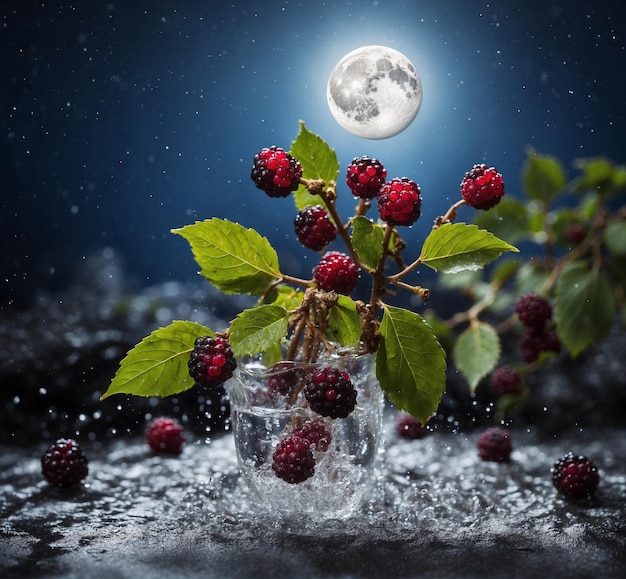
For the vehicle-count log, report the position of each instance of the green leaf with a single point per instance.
(455, 247)
(234, 259)
(531, 278)
(318, 161)
(283, 295)
(410, 363)
(257, 329)
(508, 220)
(585, 307)
(601, 175)
(157, 366)
(345, 322)
(614, 237)
(476, 352)
(367, 238)
(543, 177)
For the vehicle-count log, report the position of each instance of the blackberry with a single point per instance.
(211, 362)
(64, 463)
(494, 445)
(482, 187)
(407, 426)
(276, 172)
(330, 392)
(282, 379)
(316, 433)
(533, 310)
(336, 272)
(165, 436)
(365, 177)
(575, 476)
(506, 380)
(533, 342)
(314, 228)
(400, 202)
(293, 460)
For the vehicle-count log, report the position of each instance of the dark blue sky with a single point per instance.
(121, 120)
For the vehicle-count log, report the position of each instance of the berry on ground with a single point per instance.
(165, 436)
(282, 379)
(64, 464)
(211, 362)
(314, 228)
(482, 187)
(494, 444)
(330, 392)
(293, 460)
(399, 202)
(407, 426)
(506, 380)
(533, 342)
(316, 433)
(365, 177)
(575, 476)
(336, 272)
(276, 172)
(533, 310)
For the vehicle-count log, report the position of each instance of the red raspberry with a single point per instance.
(495, 445)
(314, 228)
(293, 460)
(533, 310)
(482, 188)
(534, 342)
(407, 426)
(365, 176)
(276, 172)
(315, 432)
(400, 202)
(336, 272)
(330, 392)
(165, 436)
(64, 464)
(211, 362)
(506, 380)
(575, 476)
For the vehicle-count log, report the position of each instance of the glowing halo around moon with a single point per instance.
(374, 92)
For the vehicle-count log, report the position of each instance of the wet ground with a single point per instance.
(435, 510)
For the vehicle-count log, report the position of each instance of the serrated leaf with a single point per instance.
(410, 363)
(257, 329)
(508, 220)
(283, 295)
(234, 259)
(543, 177)
(367, 238)
(455, 247)
(476, 352)
(585, 306)
(157, 366)
(345, 322)
(614, 237)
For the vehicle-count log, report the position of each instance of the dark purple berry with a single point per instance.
(495, 445)
(316, 433)
(400, 202)
(575, 476)
(533, 342)
(407, 426)
(482, 187)
(336, 272)
(165, 436)
(211, 362)
(365, 176)
(64, 464)
(293, 460)
(276, 172)
(533, 310)
(314, 228)
(506, 380)
(330, 392)
(282, 379)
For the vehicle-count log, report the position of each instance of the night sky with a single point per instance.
(121, 120)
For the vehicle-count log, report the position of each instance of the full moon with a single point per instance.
(374, 92)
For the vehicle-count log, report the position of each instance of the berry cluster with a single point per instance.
(165, 436)
(400, 202)
(313, 227)
(336, 271)
(330, 392)
(365, 176)
(211, 362)
(282, 379)
(575, 476)
(506, 380)
(407, 426)
(482, 187)
(276, 172)
(495, 445)
(64, 464)
(535, 313)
